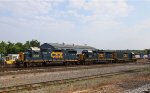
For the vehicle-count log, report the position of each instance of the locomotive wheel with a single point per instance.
(73, 63)
(17, 64)
(87, 63)
(77, 63)
(91, 63)
(66, 63)
(69, 63)
(26, 64)
(44, 64)
(83, 63)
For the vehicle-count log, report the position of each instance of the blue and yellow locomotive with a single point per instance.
(103, 56)
(36, 56)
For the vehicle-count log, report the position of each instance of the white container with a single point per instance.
(145, 56)
(137, 56)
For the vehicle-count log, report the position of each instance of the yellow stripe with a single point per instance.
(34, 61)
(71, 60)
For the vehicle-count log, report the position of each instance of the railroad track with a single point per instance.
(34, 86)
(13, 68)
(12, 71)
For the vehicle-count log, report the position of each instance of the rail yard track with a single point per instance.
(34, 86)
(26, 78)
(54, 68)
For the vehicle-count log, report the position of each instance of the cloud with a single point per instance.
(102, 7)
(29, 8)
(89, 22)
(143, 26)
(78, 8)
(25, 7)
(135, 36)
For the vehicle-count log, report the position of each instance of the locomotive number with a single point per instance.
(125, 55)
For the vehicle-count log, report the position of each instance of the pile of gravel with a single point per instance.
(142, 89)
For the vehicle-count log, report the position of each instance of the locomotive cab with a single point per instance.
(33, 55)
(87, 54)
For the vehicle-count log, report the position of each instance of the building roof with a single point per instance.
(35, 48)
(69, 46)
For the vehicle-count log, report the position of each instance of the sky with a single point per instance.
(104, 24)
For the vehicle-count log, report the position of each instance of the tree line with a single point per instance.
(14, 48)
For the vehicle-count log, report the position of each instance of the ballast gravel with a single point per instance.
(21, 79)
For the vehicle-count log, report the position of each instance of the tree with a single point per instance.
(10, 48)
(13, 48)
(26, 45)
(34, 43)
(19, 47)
(3, 48)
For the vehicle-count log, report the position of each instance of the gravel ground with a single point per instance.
(139, 89)
(12, 71)
(130, 82)
(20, 79)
